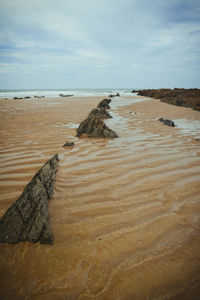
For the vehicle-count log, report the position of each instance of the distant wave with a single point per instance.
(55, 92)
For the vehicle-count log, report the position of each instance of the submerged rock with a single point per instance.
(27, 218)
(167, 122)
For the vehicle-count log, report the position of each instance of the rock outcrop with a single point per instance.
(27, 218)
(167, 122)
(180, 97)
(95, 127)
(101, 113)
(104, 103)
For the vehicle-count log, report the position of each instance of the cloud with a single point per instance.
(114, 42)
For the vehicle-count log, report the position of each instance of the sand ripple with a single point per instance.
(125, 213)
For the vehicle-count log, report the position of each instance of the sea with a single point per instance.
(21, 93)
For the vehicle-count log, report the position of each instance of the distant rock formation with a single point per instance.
(180, 97)
(167, 122)
(27, 218)
(27, 97)
(62, 95)
(104, 103)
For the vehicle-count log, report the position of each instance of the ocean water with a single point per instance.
(55, 92)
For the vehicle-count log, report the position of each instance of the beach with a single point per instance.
(125, 214)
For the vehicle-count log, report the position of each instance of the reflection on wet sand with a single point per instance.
(125, 213)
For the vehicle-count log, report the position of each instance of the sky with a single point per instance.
(99, 44)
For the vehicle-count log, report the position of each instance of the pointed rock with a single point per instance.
(104, 103)
(27, 218)
(101, 113)
(95, 128)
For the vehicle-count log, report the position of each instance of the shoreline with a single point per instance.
(122, 211)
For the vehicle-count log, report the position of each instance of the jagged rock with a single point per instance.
(94, 126)
(167, 122)
(101, 113)
(27, 218)
(104, 103)
(69, 144)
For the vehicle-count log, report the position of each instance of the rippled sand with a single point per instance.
(125, 212)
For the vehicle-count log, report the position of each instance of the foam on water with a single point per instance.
(55, 92)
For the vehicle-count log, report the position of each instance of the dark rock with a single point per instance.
(95, 127)
(114, 95)
(62, 95)
(69, 144)
(104, 103)
(101, 113)
(27, 97)
(167, 122)
(39, 97)
(17, 98)
(180, 97)
(27, 218)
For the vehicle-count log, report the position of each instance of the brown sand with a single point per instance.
(125, 213)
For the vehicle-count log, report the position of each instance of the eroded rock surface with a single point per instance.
(27, 218)
(95, 127)
(101, 113)
(104, 103)
(179, 97)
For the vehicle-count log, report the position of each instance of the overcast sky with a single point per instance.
(99, 43)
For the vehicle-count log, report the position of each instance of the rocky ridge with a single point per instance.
(27, 218)
(180, 97)
(94, 126)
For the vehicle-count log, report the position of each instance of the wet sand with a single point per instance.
(125, 213)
